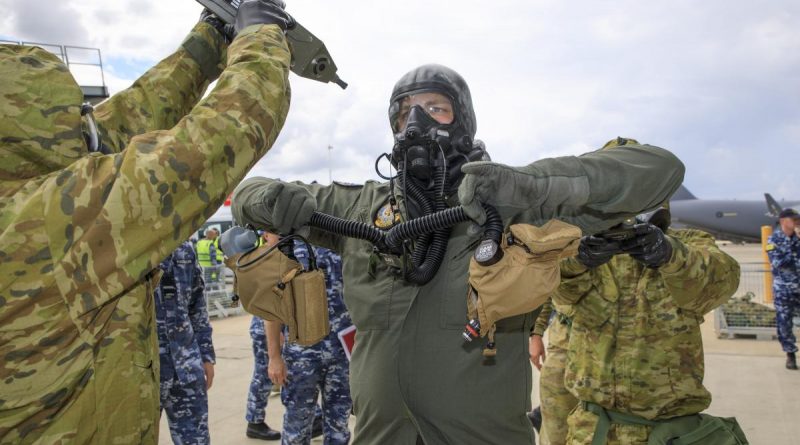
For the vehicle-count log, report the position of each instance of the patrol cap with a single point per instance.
(789, 213)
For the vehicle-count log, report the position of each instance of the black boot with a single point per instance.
(316, 430)
(262, 431)
(791, 362)
(535, 417)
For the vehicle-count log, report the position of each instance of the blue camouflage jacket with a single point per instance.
(184, 332)
(784, 257)
(331, 265)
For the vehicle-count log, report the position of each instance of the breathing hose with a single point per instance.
(391, 241)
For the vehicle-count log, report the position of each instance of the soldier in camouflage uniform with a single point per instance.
(410, 374)
(783, 250)
(184, 346)
(634, 343)
(82, 233)
(307, 371)
(556, 401)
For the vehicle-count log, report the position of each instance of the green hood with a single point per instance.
(40, 118)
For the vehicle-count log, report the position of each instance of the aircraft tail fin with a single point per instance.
(772, 205)
(682, 194)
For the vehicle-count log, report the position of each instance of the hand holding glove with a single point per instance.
(595, 251)
(290, 206)
(262, 12)
(650, 246)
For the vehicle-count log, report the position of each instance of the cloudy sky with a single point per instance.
(717, 82)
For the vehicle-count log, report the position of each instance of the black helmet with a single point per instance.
(439, 79)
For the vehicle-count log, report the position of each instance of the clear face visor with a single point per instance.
(436, 105)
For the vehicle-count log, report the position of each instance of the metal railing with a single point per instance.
(218, 297)
(84, 63)
(747, 313)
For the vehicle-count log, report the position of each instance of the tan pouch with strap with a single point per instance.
(275, 287)
(525, 277)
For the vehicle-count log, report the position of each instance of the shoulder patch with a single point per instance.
(386, 217)
(769, 247)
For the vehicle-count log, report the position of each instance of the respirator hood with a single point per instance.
(439, 79)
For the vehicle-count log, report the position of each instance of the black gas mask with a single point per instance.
(434, 126)
(421, 145)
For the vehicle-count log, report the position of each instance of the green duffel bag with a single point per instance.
(700, 429)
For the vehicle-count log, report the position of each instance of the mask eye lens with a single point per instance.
(437, 105)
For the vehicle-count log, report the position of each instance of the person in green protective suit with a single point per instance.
(412, 376)
(635, 352)
(84, 224)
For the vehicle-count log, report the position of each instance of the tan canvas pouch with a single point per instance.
(311, 304)
(527, 274)
(260, 282)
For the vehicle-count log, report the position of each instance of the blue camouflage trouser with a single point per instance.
(787, 305)
(324, 368)
(261, 385)
(186, 405)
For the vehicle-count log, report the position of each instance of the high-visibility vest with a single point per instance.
(204, 252)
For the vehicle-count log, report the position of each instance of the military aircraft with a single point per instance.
(730, 219)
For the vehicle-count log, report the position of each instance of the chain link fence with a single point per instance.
(748, 314)
(219, 292)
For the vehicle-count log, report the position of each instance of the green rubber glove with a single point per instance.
(288, 207)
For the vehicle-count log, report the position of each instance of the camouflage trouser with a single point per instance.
(260, 386)
(322, 368)
(787, 304)
(582, 424)
(186, 405)
(556, 401)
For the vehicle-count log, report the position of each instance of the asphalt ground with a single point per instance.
(746, 377)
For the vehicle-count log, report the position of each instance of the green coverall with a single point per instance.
(411, 372)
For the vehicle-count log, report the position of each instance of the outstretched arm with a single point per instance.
(594, 191)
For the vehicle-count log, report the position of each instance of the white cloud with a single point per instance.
(715, 81)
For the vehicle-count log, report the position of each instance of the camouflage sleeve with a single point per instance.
(164, 94)
(576, 282)
(779, 253)
(124, 212)
(543, 320)
(699, 276)
(249, 205)
(198, 314)
(597, 190)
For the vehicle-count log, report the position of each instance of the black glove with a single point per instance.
(650, 246)
(225, 29)
(291, 206)
(262, 12)
(595, 251)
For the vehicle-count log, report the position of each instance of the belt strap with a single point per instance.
(605, 418)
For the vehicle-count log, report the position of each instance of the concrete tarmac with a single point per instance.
(746, 377)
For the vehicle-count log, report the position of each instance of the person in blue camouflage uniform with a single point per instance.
(260, 386)
(305, 371)
(184, 344)
(783, 249)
